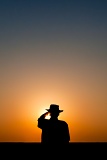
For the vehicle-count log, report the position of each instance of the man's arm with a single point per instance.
(41, 120)
(67, 135)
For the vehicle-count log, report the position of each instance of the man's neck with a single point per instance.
(53, 119)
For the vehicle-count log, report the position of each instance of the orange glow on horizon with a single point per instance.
(24, 102)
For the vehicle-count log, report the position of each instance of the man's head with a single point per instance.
(54, 110)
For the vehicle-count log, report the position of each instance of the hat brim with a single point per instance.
(52, 111)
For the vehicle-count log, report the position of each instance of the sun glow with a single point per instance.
(48, 116)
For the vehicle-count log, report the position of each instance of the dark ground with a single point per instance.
(71, 151)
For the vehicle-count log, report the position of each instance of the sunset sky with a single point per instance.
(53, 51)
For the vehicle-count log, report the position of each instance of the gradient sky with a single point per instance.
(53, 51)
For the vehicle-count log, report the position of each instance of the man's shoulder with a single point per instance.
(63, 122)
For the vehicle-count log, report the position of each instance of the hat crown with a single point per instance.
(54, 107)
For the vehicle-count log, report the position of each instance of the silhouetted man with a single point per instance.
(53, 130)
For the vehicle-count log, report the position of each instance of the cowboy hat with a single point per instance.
(54, 108)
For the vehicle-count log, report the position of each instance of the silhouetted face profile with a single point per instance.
(54, 115)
